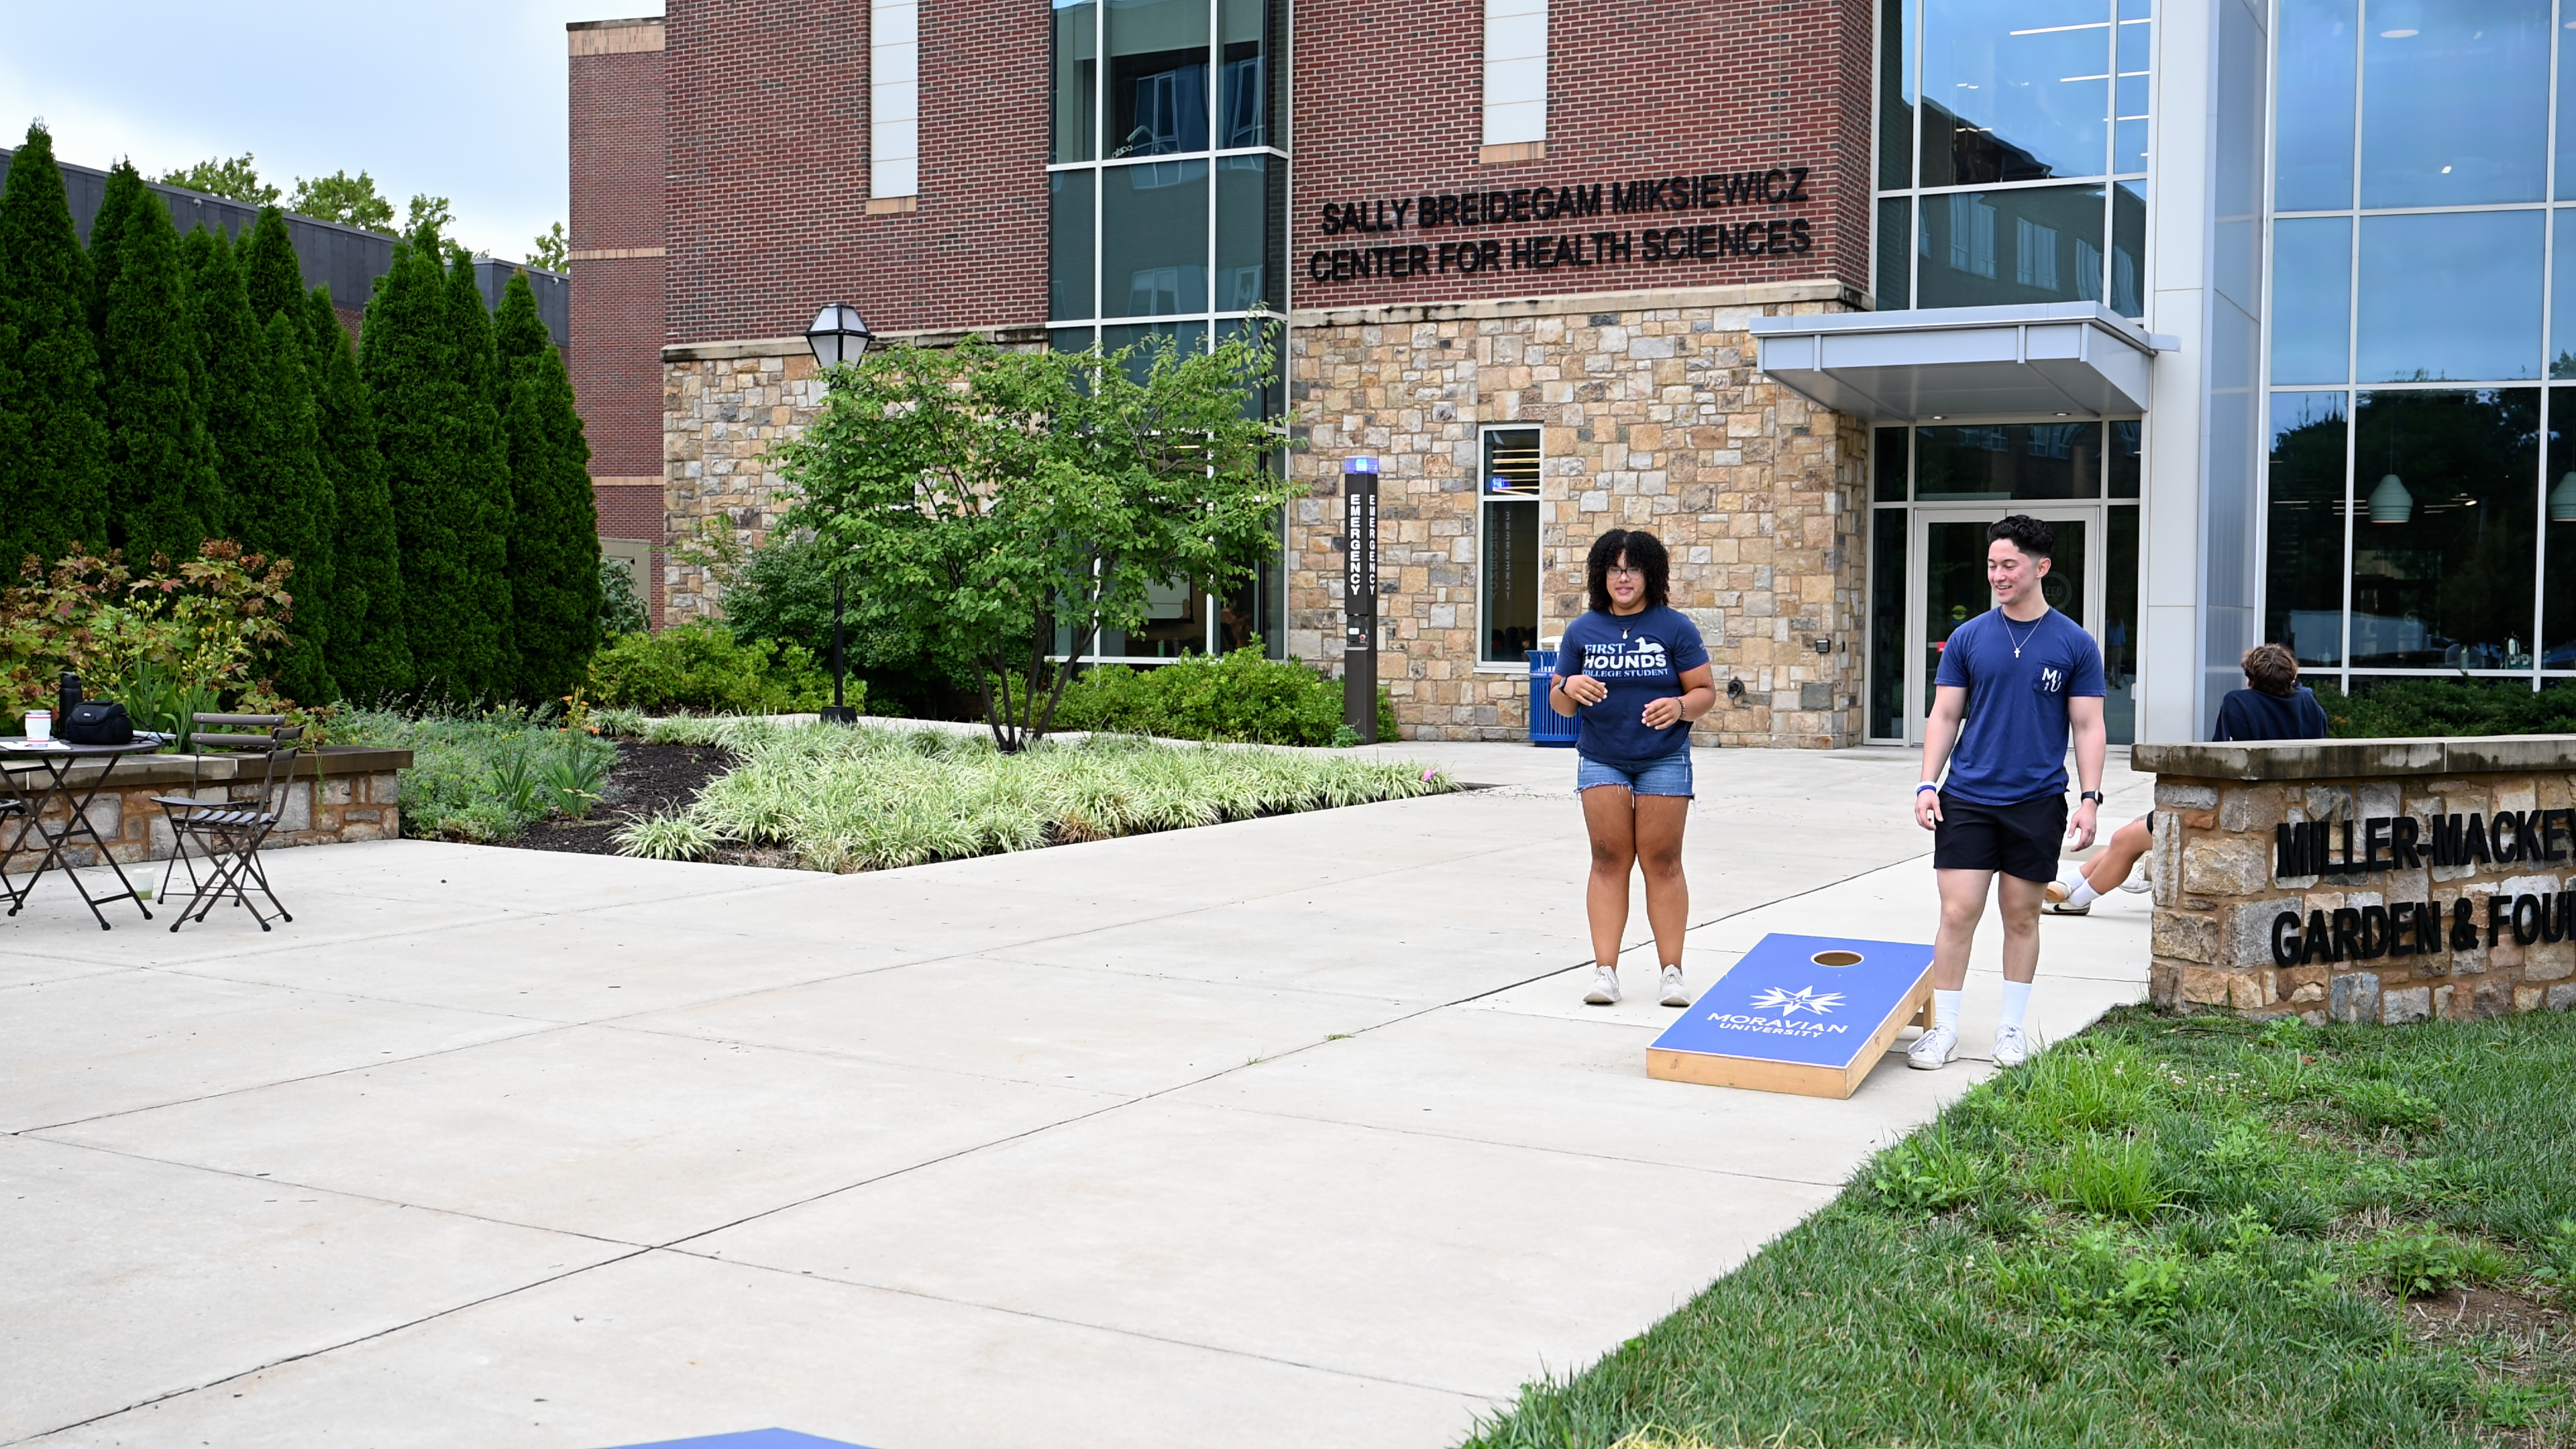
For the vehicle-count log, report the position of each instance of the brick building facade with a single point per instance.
(1536, 256)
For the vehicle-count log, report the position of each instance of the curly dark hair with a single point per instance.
(2026, 533)
(1644, 551)
(2272, 669)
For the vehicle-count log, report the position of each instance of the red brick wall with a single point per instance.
(768, 170)
(1387, 108)
(618, 149)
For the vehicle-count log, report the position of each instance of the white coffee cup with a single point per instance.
(40, 724)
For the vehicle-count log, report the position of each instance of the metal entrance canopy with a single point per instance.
(2065, 359)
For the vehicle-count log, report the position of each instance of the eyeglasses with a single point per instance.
(1627, 573)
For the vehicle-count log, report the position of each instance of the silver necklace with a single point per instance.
(2020, 640)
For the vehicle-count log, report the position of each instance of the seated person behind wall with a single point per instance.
(2272, 706)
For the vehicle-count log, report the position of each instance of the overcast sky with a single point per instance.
(462, 99)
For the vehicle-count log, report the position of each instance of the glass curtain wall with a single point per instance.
(2420, 509)
(1167, 198)
(2012, 152)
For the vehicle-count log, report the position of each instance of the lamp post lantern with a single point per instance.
(838, 335)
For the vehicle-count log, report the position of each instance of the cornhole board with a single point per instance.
(1803, 1014)
(751, 1440)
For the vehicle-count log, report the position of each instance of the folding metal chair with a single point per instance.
(228, 832)
(13, 808)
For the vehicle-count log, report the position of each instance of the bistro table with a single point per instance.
(56, 758)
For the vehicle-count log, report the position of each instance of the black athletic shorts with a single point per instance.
(2020, 840)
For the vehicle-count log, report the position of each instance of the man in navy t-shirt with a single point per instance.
(2023, 677)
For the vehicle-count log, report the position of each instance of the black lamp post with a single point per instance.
(838, 336)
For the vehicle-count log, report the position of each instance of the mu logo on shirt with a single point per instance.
(2052, 680)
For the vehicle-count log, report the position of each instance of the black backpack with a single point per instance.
(96, 722)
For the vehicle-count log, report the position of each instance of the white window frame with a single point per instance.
(894, 98)
(1515, 72)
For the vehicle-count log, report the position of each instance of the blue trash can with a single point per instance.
(1548, 729)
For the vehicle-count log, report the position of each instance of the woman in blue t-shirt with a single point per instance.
(1634, 674)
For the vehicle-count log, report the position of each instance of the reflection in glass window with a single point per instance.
(1895, 95)
(2002, 461)
(1077, 80)
(2454, 103)
(1245, 73)
(2312, 110)
(1248, 201)
(1153, 239)
(1895, 224)
(1510, 501)
(2129, 106)
(1987, 247)
(1887, 463)
(2129, 248)
(1158, 77)
(2444, 513)
(2311, 299)
(2120, 626)
(1069, 244)
(2562, 296)
(2558, 534)
(2126, 439)
(2015, 90)
(2450, 297)
(1887, 623)
(2303, 539)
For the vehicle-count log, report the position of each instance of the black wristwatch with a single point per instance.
(2096, 796)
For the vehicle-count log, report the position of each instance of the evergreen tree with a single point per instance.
(430, 388)
(53, 433)
(291, 513)
(161, 466)
(270, 272)
(370, 658)
(492, 665)
(554, 534)
(228, 360)
(125, 191)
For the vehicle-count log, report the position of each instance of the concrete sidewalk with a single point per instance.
(1287, 1132)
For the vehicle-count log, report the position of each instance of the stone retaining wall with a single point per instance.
(2366, 880)
(357, 796)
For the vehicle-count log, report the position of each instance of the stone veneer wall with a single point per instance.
(1653, 416)
(358, 797)
(724, 406)
(2217, 897)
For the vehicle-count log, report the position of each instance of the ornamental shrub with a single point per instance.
(2442, 708)
(228, 368)
(554, 520)
(701, 667)
(621, 608)
(285, 508)
(161, 464)
(53, 436)
(1238, 696)
(370, 649)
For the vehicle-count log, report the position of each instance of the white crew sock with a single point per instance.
(2016, 1001)
(2082, 892)
(1945, 1008)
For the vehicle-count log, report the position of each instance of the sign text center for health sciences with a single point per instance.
(1647, 228)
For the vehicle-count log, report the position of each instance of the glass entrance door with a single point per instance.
(1949, 584)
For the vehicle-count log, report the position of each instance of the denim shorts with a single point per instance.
(1670, 775)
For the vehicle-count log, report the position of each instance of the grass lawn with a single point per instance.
(2166, 1231)
(838, 798)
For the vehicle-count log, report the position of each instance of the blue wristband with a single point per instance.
(1926, 785)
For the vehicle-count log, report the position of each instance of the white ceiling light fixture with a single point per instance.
(2390, 502)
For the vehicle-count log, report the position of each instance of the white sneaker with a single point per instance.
(2010, 1049)
(1605, 987)
(1675, 992)
(2140, 881)
(1932, 1050)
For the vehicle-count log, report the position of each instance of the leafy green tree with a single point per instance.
(433, 212)
(270, 271)
(53, 432)
(554, 526)
(289, 511)
(370, 649)
(995, 501)
(233, 177)
(228, 362)
(348, 200)
(125, 191)
(161, 464)
(551, 250)
(426, 356)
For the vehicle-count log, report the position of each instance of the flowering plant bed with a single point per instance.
(836, 798)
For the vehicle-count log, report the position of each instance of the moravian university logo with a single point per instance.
(1805, 998)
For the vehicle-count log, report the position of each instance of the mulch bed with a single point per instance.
(647, 780)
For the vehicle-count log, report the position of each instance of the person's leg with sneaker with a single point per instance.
(1610, 818)
(1660, 819)
(2104, 873)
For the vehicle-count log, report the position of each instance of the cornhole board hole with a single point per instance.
(1803, 1014)
(751, 1440)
